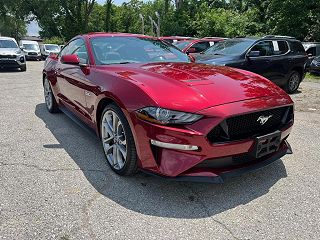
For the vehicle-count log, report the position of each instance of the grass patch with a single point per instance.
(312, 78)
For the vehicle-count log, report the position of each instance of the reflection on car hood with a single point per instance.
(193, 87)
(8, 51)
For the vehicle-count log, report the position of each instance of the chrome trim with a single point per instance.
(174, 146)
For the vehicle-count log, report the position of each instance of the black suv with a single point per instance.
(281, 59)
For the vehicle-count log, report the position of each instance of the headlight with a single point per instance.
(165, 116)
(18, 51)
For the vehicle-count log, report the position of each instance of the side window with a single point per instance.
(280, 47)
(77, 47)
(201, 46)
(312, 51)
(297, 47)
(265, 48)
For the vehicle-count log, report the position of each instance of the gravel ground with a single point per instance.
(54, 183)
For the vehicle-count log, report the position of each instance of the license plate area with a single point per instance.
(267, 144)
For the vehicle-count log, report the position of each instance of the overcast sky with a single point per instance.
(33, 28)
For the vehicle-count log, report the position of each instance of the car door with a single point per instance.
(281, 62)
(74, 78)
(261, 64)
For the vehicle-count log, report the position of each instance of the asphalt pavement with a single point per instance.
(55, 183)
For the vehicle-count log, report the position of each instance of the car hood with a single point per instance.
(214, 59)
(192, 87)
(8, 51)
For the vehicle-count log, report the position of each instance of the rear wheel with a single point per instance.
(293, 82)
(50, 100)
(117, 141)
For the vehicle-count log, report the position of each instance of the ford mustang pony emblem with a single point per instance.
(263, 119)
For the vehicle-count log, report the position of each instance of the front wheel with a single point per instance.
(49, 98)
(117, 141)
(293, 82)
(23, 68)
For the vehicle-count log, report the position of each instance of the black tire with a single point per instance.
(23, 68)
(293, 82)
(130, 166)
(53, 106)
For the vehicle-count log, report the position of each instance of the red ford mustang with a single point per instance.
(156, 111)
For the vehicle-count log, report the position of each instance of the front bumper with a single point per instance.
(12, 63)
(184, 164)
(203, 175)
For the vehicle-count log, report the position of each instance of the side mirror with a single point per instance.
(192, 59)
(254, 54)
(191, 50)
(22, 48)
(72, 59)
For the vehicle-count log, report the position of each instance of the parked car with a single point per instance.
(312, 49)
(173, 39)
(11, 55)
(280, 59)
(196, 45)
(315, 66)
(31, 49)
(164, 114)
(47, 49)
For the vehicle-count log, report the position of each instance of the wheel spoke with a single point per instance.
(123, 151)
(107, 129)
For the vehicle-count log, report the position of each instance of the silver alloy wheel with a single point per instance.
(47, 93)
(294, 82)
(114, 139)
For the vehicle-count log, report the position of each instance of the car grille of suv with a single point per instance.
(32, 53)
(8, 56)
(249, 125)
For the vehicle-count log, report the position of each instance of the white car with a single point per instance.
(47, 49)
(11, 55)
(31, 49)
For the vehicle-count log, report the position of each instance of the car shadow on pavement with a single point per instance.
(151, 195)
(9, 70)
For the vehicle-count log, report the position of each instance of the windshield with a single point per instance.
(53, 48)
(31, 46)
(182, 44)
(8, 44)
(230, 47)
(121, 50)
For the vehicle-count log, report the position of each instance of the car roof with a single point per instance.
(28, 41)
(7, 38)
(114, 34)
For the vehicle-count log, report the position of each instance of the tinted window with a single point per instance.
(230, 47)
(265, 48)
(312, 51)
(201, 46)
(115, 50)
(297, 47)
(280, 47)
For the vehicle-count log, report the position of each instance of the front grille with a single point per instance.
(8, 56)
(248, 125)
(32, 53)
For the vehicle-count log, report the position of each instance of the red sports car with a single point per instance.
(156, 111)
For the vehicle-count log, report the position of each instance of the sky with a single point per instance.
(33, 27)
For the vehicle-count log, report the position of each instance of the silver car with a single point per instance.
(11, 55)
